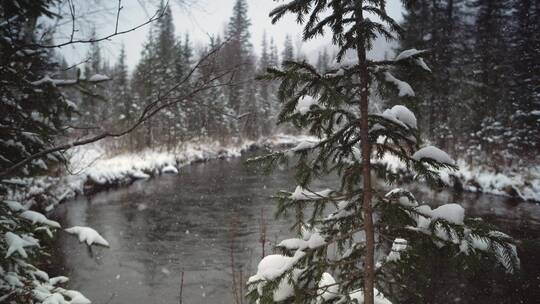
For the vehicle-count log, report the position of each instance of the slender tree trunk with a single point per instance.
(369, 263)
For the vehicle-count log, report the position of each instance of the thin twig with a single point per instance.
(181, 286)
(118, 16)
(156, 16)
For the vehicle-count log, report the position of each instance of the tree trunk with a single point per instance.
(369, 263)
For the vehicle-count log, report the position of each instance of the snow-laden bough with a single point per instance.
(88, 235)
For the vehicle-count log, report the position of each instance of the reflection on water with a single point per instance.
(161, 227)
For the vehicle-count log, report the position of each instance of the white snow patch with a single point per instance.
(305, 145)
(304, 194)
(421, 63)
(17, 244)
(401, 115)
(404, 88)
(406, 54)
(275, 265)
(88, 235)
(329, 288)
(434, 153)
(14, 206)
(399, 245)
(453, 213)
(36, 217)
(140, 175)
(75, 297)
(379, 298)
(293, 244)
(98, 78)
(169, 169)
(304, 104)
(272, 267)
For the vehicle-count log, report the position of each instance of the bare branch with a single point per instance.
(72, 40)
(150, 110)
(72, 12)
(118, 16)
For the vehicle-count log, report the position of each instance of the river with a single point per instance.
(174, 224)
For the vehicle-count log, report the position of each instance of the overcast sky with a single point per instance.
(201, 19)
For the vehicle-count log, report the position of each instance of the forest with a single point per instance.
(407, 173)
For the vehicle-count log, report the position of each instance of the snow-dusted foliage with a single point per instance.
(20, 246)
(342, 231)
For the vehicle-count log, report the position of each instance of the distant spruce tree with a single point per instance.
(238, 52)
(358, 239)
(323, 61)
(121, 98)
(288, 49)
(265, 90)
(93, 98)
(144, 88)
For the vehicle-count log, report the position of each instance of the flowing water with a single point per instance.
(187, 224)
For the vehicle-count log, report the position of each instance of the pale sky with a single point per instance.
(201, 19)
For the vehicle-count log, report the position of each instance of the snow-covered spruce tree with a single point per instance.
(33, 112)
(351, 237)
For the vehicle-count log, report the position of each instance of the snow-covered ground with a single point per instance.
(94, 169)
(524, 184)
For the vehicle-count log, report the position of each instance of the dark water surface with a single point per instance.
(161, 227)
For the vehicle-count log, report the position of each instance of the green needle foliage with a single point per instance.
(326, 263)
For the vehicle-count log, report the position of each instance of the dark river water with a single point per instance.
(185, 223)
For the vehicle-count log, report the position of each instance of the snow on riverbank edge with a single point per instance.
(97, 174)
(95, 171)
(523, 184)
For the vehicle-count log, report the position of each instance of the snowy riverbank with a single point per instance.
(522, 184)
(93, 170)
(97, 172)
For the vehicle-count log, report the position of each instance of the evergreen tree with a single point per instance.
(323, 61)
(124, 111)
(267, 111)
(487, 70)
(288, 49)
(34, 110)
(92, 98)
(274, 55)
(524, 90)
(144, 85)
(33, 113)
(333, 260)
(164, 62)
(238, 52)
(444, 28)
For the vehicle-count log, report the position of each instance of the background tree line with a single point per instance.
(482, 99)
(246, 109)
